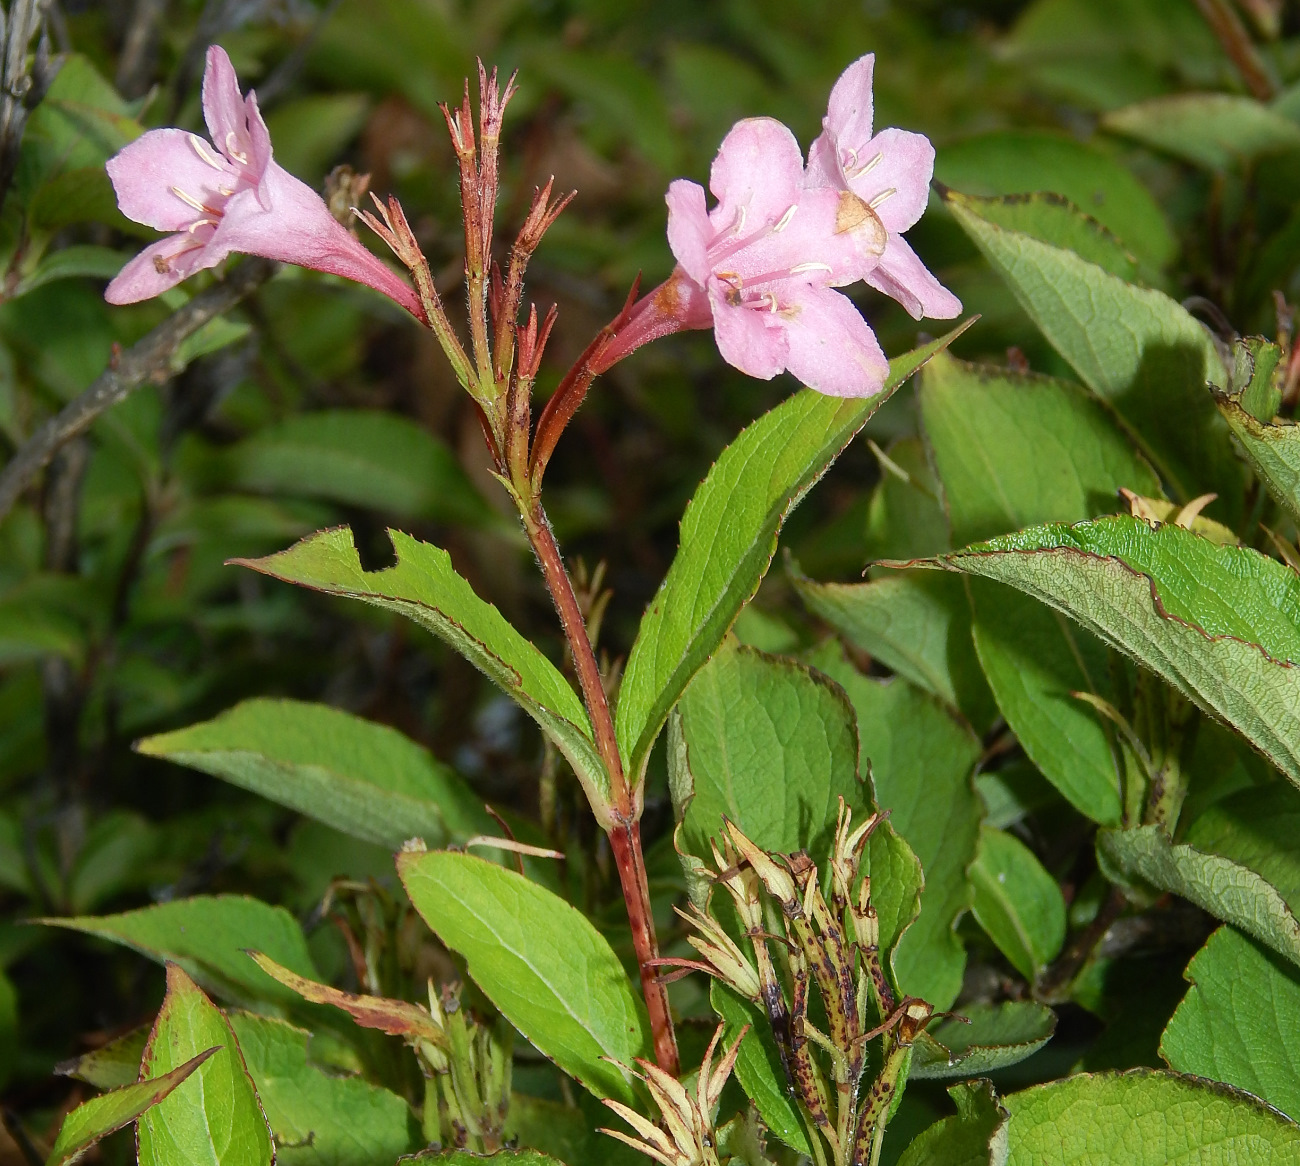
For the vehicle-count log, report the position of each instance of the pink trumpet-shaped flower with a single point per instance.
(229, 195)
(761, 265)
(890, 172)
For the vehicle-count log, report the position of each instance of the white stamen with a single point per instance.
(226, 190)
(884, 194)
(232, 148)
(852, 161)
(194, 226)
(741, 214)
(800, 268)
(188, 199)
(858, 172)
(201, 149)
(772, 305)
(784, 221)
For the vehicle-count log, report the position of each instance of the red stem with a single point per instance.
(625, 832)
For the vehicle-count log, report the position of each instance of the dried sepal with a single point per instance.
(687, 1136)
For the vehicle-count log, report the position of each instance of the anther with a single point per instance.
(865, 169)
(201, 149)
(188, 199)
(232, 148)
(884, 194)
(800, 268)
(742, 212)
(784, 220)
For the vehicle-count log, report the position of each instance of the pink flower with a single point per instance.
(229, 195)
(890, 172)
(761, 265)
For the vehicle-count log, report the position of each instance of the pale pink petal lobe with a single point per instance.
(830, 346)
(823, 165)
(689, 230)
(892, 175)
(223, 104)
(901, 275)
(756, 176)
(752, 340)
(849, 112)
(148, 172)
(160, 266)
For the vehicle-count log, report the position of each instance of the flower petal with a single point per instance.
(818, 243)
(160, 266)
(300, 229)
(223, 104)
(259, 149)
(689, 231)
(830, 346)
(759, 168)
(901, 275)
(897, 186)
(849, 111)
(750, 339)
(824, 167)
(147, 173)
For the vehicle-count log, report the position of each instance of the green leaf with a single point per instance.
(75, 262)
(214, 1117)
(1240, 1020)
(1226, 889)
(997, 1035)
(897, 882)
(1216, 622)
(1256, 376)
(1012, 450)
(424, 587)
(758, 1066)
(318, 1119)
(548, 970)
(1257, 828)
(1017, 902)
(1144, 1118)
(1009, 162)
(905, 517)
(100, 1116)
(359, 457)
(771, 745)
(80, 123)
(364, 779)
(110, 1066)
(1135, 348)
(1054, 219)
(921, 759)
(1217, 131)
(976, 1136)
(1035, 660)
(207, 936)
(917, 624)
(1273, 450)
(728, 537)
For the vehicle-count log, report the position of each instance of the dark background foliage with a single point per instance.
(117, 617)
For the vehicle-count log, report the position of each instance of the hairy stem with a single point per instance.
(625, 835)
